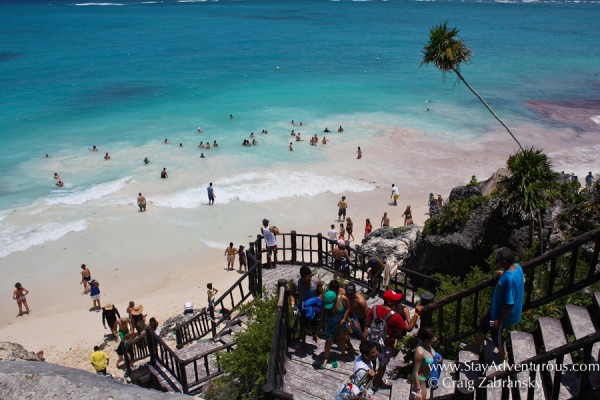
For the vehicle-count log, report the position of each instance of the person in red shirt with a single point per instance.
(395, 324)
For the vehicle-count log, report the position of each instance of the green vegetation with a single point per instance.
(246, 367)
(447, 52)
(580, 209)
(453, 216)
(529, 188)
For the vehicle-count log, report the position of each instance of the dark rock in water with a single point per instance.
(41, 381)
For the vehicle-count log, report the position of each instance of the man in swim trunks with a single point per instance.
(86, 275)
(271, 241)
(385, 220)
(395, 194)
(211, 194)
(342, 206)
(230, 252)
(141, 202)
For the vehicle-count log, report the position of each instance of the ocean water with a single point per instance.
(125, 75)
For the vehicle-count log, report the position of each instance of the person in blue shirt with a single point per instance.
(506, 305)
(589, 179)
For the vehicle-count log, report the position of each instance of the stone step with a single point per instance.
(583, 325)
(165, 379)
(444, 388)
(491, 360)
(553, 336)
(523, 348)
(468, 375)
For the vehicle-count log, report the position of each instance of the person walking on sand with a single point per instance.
(99, 361)
(141, 202)
(230, 252)
(95, 295)
(86, 276)
(271, 241)
(359, 153)
(19, 295)
(163, 174)
(408, 220)
(342, 208)
(110, 315)
(395, 194)
(242, 258)
(349, 228)
(211, 194)
(385, 220)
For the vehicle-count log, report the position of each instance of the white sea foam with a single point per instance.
(596, 119)
(93, 193)
(213, 244)
(13, 239)
(256, 187)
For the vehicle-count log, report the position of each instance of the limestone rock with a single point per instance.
(386, 242)
(41, 381)
(14, 351)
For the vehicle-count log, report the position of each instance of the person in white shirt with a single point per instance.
(395, 194)
(332, 233)
(364, 362)
(271, 241)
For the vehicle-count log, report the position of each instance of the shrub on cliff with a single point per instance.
(453, 216)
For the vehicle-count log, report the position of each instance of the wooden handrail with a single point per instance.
(530, 269)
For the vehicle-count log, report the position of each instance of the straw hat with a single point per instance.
(138, 310)
(108, 306)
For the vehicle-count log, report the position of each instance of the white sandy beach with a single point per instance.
(165, 257)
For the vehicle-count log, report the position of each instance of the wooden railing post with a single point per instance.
(258, 248)
(319, 250)
(213, 321)
(151, 348)
(293, 246)
(426, 315)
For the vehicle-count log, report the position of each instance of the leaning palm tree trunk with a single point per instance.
(486, 105)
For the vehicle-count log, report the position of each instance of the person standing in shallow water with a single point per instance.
(359, 154)
(211, 194)
(164, 174)
(141, 202)
(19, 295)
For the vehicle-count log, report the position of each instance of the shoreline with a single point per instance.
(164, 257)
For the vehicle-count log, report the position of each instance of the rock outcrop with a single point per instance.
(389, 242)
(14, 351)
(41, 381)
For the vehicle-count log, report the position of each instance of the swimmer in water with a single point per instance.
(324, 141)
(340, 129)
(207, 145)
(60, 184)
(56, 177)
(166, 141)
(199, 130)
(146, 161)
(291, 147)
(201, 145)
(106, 156)
(94, 149)
(215, 144)
(201, 155)
(254, 142)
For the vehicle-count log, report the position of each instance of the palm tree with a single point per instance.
(529, 188)
(446, 51)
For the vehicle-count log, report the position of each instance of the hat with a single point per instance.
(350, 288)
(439, 194)
(108, 306)
(138, 310)
(341, 243)
(390, 295)
(265, 221)
(329, 299)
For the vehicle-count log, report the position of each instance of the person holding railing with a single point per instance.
(506, 305)
(269, 233)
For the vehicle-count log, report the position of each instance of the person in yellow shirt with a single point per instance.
(99, 360)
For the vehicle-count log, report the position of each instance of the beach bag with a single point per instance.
(378, 327)
(436, 370)
(356, 389)
(345, 266)
(352, 326)
(311, 308)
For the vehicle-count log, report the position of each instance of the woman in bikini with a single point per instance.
(424, 359)
(19, 295)
(349, 228)
(408, 216)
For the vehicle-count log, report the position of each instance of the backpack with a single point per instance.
(359, 389)
(311, 308)
(345, 266)
(378, 327)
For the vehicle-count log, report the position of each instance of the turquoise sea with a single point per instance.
(125, 75)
